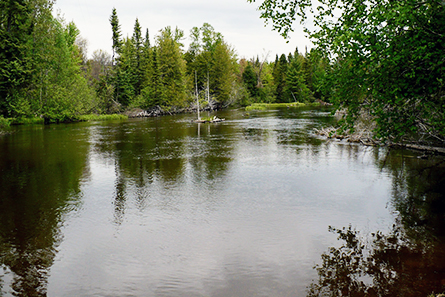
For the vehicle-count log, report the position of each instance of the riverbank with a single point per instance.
(6, 122)
(366, 137)
(265, 106)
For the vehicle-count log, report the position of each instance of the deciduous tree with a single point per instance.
(387, 58)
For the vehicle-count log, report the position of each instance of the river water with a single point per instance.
(167, 207)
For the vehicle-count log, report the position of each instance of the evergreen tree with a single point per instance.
(116, 34)
(115, 78)
(155, 82)
(138, 57)
(279, 75)
(296, 87)
(125, 72)
(250, 81)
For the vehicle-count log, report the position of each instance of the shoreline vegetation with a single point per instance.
(141, 75)
(366, 137)
(265, 106)
(47, 77)
(7, 122)
(363, 132)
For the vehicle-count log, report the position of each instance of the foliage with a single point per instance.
(16, 28)
(296, 86)
(279, 75)
(40, 64)
(172, 67)
(4, 122)
(27, 121)
(46, 74)
(214, 63)
(250, 81)
(386, 57)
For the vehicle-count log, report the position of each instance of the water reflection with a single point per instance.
(166, 207)
(419, 193)
(410, 259)
(160, 153)
(389, 265)
(41, 169)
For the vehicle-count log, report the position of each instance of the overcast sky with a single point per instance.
(238, 21)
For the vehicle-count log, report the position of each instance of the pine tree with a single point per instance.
(138, 57)
(116, 34)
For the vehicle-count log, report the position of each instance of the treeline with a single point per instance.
(40, 74)
(142, 75)
(45, 72)
(292, 78)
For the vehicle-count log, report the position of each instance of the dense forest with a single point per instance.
(379, 60)
(46, 75)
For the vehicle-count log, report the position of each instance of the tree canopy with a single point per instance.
(386, 56)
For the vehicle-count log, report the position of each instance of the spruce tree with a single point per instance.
(279, 76)
(116, 34)
(137, 59)
(250, 81)
(296, 88)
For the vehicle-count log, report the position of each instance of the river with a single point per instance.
(167, 207)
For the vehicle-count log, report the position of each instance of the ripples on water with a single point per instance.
(165, 207)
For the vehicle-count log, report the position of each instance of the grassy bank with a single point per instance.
(264, 106)
(6, 122)
(102, 117)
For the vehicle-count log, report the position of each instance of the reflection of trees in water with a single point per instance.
(159, 153)
(419, 194)
(388, 265)
(410, 260)
(41, 172)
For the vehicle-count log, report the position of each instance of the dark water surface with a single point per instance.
(166, 207)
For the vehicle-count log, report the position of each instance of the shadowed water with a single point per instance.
(166, 207)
